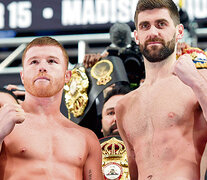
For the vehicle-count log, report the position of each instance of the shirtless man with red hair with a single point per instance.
(37, 142)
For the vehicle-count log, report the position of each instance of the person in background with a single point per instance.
(120, 36)
(109, 124)
(19, 93)
(36, 140)
(7, 97)
(163, 122)
(113, 162)
(123, 47)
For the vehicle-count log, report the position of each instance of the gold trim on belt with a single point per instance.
(198, 56)
(114, 160)
(76, 97)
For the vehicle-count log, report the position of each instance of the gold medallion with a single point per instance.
(102, 71)
(114, 159)
(76, 97)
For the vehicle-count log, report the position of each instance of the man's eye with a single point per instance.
(34, 62)
(111, 113)
(50, 61)
(144, 26)
(161, 24)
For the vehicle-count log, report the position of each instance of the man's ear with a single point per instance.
(22, 76)
(179, 32)
(68, 74)
(136, 37)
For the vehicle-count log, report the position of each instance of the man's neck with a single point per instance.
(159, 70)
(42, 105)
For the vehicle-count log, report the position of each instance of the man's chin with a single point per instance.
(115, 132)
(41, 93)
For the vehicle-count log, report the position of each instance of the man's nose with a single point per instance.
(42, 68)
(154, 32)
(114, 118)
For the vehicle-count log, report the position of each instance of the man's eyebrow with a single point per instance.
(36, 57)
(53, 57)
(161, 20)
(158, 20)
(143, 22)
(32, 58)
(110, 108)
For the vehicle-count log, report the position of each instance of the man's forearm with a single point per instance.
(200, 90)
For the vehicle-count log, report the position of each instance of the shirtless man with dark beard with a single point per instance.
(163, 122)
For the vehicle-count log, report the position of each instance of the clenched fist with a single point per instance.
(185, 70)
(10, 114)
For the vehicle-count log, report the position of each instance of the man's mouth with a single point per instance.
(42, 78)
(154, 43)
(114, 128)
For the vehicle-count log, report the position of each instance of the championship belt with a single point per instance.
(198, 56)
(103, 74)
(102, 71)
(76, 97)
(114, 159)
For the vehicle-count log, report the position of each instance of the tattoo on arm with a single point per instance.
(90, 174)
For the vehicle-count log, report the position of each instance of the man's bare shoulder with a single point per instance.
(85, 135)
(126, 103)
(128, 98)
(85, 132)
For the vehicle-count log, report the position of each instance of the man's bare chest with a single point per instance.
(160, 108)
(45, 144)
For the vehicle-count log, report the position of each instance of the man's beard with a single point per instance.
(155, 53)
(112, 128)
(45, 89)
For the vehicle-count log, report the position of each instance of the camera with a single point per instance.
(132, 60)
